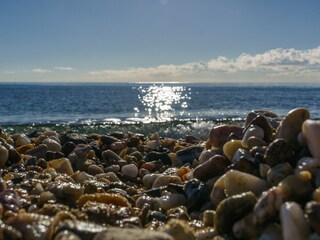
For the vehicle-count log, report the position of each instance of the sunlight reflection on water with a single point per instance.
(163, 102)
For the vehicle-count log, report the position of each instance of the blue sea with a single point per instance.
(172, 109)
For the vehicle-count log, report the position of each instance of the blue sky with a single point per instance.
(160, 40)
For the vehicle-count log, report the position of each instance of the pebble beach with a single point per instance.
(257, 179)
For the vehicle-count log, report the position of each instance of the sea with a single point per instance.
(171, 109)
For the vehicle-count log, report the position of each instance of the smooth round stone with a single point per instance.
(61, 165)
(278, 173)
(145, 199)
(265, 125)
(130, 170)
(207, 154)
(149, 179)
(308, 164)
(4, 154)
(219, 135)
(22, 139)
(215, 166)
(94, 170)
(255, 142)
(231, 147)
(39, 151)
(52, 145)
(311, 131)
(165, 180)
(291, 126)
(231, 210)
(294, 225)
(278, 151)
(298, 186)
(252, 131)
(236, 182)
(172, 200)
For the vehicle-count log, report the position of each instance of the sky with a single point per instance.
(159, 41)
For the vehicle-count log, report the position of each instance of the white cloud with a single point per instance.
(275, 63)
(64, 68)
(40, 70)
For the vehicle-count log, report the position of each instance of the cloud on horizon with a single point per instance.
(273, 64)
(64, 68)
(40, 70)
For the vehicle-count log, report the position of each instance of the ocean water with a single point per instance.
(173, 109)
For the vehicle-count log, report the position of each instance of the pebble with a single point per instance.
(215, 166)
(21, 140)
(130, 170)
(311, 131)
(4, 154)
(294, 225)
(231, 210)
(172, 200)
(52, 145)
(231, 147)
(278, 151)
(236, 182)
(40, 151)
(291, 125)
(252, 131)
(219, 135)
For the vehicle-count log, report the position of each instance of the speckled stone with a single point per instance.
(279, 151)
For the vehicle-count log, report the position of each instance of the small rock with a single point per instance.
(294, 225)
(94, 170)
(172, 200)
(130, 170)
(39, 151)
(21, 140)
(215, 166)
(311, 131)
(278, 173)
(252, 131)
(219, 135)
(52, 145)
(4, 154)
(279, 151)
(291, 126)
(232, 209)
(231, 147)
